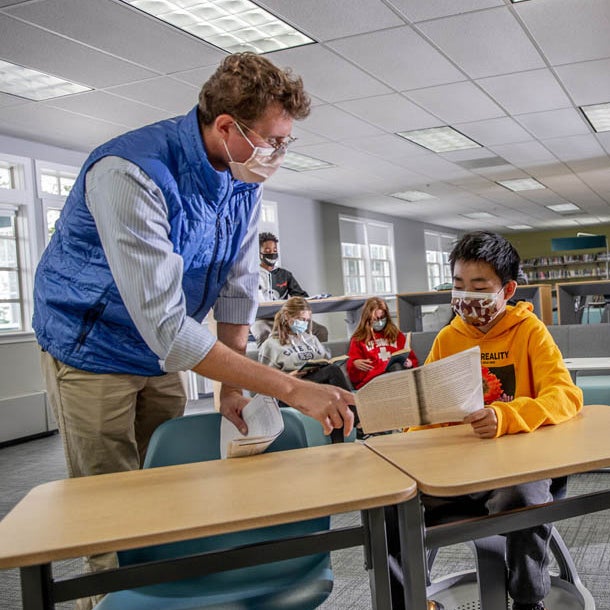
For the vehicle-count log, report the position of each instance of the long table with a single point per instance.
(452, 461)
(91, 515)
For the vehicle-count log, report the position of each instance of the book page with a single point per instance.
(388, 402)
(264, 420)
(452, 387)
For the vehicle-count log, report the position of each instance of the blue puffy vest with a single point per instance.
(79, 316)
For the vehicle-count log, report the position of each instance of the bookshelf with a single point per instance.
(566, 268)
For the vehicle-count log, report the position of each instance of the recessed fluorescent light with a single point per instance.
(515, 1)
(523, 184)
(518, 227)
(598, 115)
(232, 25)
(412, 196)
(439, 139)
(479, 215)
(563, 207)
(302, 163)
(34, 85)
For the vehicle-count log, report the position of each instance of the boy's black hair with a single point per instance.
(490, 248)
(266, 236)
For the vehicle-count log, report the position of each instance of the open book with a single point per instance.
(442, 391)
(398, 357)
(311, 364)
(264, 420)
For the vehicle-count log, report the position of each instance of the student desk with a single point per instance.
(574, 365)
(89, 515)
(451, 461)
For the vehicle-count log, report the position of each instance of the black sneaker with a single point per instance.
(536, 606)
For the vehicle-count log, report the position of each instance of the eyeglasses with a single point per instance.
(279, 145)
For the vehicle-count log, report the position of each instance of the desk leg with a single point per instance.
(376, 557)
(413, 553)
(36, 585)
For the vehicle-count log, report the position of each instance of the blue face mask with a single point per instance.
(379, 325)
(299, 326)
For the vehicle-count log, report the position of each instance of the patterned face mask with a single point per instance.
(476, 308)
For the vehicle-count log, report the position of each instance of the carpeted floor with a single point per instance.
(28, 464)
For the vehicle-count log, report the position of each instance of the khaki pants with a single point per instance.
(106, 421)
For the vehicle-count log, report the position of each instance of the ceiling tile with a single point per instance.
(576, 147)
(569, 31)
(485, 43)
(31, 47)
(339, 80)
(523, 92)
(12, 100)
(390, 112)
(328, 19)
(396, 57)
(554, 123)
(335, 124)
(524, 154)
(388, 146)
(456, 103)
(121, 30)
(587, 82)
(494, 131)
(108, 107)
(166, 93)
(416, 10)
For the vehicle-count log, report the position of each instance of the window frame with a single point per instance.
(367, 259)
(443, 265)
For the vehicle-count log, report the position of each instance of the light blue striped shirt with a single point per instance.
(131, 216)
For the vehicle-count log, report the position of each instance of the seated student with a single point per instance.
(291, 345)
(374, 341)
(276, 284)
(533, 389)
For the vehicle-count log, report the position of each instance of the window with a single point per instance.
(367, 253)
(11, 316)
(54, 184)
(269, 220)
(438, 248)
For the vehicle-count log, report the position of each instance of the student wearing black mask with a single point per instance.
(277, 284)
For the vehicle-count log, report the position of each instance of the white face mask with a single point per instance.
(260, 165)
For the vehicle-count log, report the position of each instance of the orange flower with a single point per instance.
(492, 386)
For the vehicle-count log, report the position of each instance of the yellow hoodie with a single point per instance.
(519, 350)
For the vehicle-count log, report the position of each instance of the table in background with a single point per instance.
(566, 311)
(575, 365)
(98, 514)
(452, 461)
(409, 304)
(352, 307)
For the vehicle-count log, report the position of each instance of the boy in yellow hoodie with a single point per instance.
(526, 383)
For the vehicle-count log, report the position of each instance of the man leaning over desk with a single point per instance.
(526, 386)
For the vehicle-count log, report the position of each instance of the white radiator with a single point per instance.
(24, 416)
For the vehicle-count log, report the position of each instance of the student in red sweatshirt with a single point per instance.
(374, 341)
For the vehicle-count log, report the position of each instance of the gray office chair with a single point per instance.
(485, 587)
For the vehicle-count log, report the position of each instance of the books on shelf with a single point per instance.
(264, 420)
(442, 391)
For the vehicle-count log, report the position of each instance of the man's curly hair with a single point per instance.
(266, 236)
(246, 84)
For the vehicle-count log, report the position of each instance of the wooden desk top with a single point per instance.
(453, 461)
(76, 517)
(587, 364)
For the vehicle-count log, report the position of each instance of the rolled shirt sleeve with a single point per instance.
(131, 216)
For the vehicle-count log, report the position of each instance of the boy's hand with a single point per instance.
(484, 422)
(408, 363)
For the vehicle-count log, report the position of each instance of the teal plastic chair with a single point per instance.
(295, 584)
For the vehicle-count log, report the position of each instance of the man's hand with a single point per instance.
(232, 403)
(363, 364)
(326, 403)
(484, 422)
